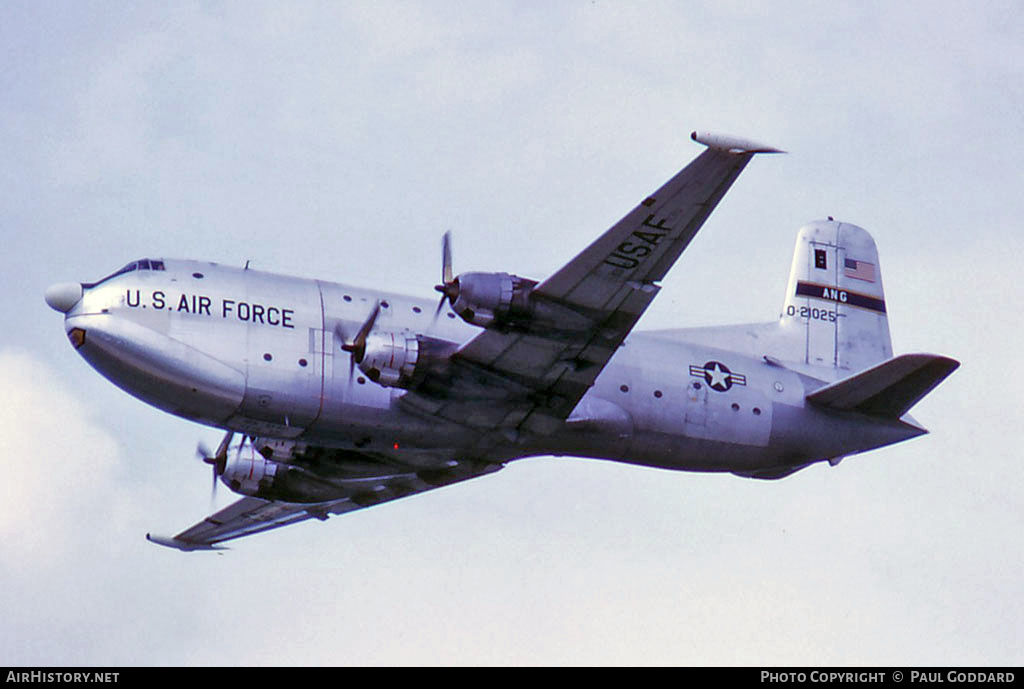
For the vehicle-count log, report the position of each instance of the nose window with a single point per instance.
(134, 265)
(142, 264)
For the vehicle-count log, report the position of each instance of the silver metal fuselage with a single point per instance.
(260, 353)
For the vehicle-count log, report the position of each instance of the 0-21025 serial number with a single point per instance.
(811, 313)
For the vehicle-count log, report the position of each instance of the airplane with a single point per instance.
(346, 397)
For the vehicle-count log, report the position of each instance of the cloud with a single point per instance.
(61, 466)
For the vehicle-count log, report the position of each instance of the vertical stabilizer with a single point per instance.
(834, 312)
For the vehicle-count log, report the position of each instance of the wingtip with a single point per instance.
(183, 546)
(731, 144)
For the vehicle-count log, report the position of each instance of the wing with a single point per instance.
(537, 377)
(252, 515)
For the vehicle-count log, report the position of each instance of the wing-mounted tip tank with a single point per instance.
(731, 144)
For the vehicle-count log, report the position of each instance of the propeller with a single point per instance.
(449, 287)
(217, 460)
(357, 347)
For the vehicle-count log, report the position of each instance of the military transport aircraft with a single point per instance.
(345, 397)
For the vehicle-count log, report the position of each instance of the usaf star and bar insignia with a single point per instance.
(717, 375)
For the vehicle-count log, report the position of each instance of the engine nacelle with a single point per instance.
(486, 299)
(250, 473)
(397, 360)
(390, 358)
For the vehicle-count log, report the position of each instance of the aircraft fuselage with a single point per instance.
(260, 353)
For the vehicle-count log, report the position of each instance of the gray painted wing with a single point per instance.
(250, 515)
(537, 377)
(649, 239)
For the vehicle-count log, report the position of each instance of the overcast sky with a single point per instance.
(339, 141)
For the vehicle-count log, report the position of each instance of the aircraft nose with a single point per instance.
(62, 297)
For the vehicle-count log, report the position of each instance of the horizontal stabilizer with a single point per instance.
(888, 389)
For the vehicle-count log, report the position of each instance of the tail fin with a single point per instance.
(834, 313)
(888, 389)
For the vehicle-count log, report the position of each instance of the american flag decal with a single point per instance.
(859, 270)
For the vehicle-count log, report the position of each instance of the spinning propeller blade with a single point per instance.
(449, 287)
(219, 460)
(357, 347)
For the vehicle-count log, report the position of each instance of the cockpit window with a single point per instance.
(141, 264)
